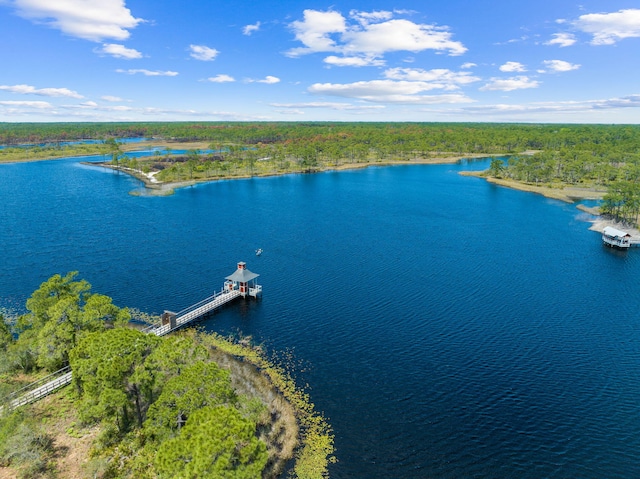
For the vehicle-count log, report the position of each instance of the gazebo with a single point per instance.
(616, 238)
(244, 281)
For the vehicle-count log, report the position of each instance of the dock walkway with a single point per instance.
(236, 286)
(39, 389)
(195, 312)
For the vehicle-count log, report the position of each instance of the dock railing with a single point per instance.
(38, 389)
(194, 311)
(54, 381)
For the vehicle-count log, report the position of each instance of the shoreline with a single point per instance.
(124, 147)
(159, 188)
(153, 187)
(568, 195)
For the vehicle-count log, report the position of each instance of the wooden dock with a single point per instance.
(39, 389)
(239, 284)
(194, 312)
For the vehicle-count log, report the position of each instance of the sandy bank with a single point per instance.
(569, 194)
(601, 222)
(156, 187)
(166, 144)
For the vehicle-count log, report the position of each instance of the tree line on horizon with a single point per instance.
(602, 156)
(393, 137)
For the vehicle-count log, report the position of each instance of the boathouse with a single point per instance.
(243, 280)
(616, 238)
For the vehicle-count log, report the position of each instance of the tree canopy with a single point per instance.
(61, 311)
(163, 406)
(216, 443)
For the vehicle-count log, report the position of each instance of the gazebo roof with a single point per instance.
(242, 276)
(611, 231)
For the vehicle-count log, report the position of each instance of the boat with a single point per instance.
(258, 251)
(616, 238)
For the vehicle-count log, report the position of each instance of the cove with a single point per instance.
(447, 327)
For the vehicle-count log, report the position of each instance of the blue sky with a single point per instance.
(406, 60)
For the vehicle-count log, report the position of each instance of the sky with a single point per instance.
(551, 61)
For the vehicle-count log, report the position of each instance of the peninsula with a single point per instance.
(566, 162)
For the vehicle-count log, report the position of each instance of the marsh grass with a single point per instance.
(36, 153)
(315, 450)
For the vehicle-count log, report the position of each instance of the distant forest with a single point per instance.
(447, 137)
(556, 155)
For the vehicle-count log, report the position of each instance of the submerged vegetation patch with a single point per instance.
(317, 449)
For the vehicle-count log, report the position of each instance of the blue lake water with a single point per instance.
(447, 327)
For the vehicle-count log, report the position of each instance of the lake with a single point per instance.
(447, 327)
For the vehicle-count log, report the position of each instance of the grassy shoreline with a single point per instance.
(300, 439)
(567, 194)
(160, 188)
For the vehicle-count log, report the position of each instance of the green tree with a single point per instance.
(496, 169)
(6, 338)
(25, 443)
(173, 354)
(61, 311)
(110, 376)
(50, 292)
(193, 158)
(199, 385)
(217, 442)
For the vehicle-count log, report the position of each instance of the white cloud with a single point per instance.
(314, 32)
(120, 51)
(438, 78)
(249, 29)
(31, 90)
(88, 112)
(400, 35)
(222, 78)
(513, 67)
(387, 91)
(112, 99)
(562, 39)
(118, 108)
(329, 105)
(631, 101)
(510, 84)
(364, 18)
(560, 65)
(609, 28)
(468, 65)
(203, 53)
(92, 105)
(291, 111)
(367, 61)
(369, 35)
(93, 20)
(270, 80)
(29, 104)
(148, 73)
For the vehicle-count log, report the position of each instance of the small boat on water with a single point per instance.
(258, 251)
(616, 238)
